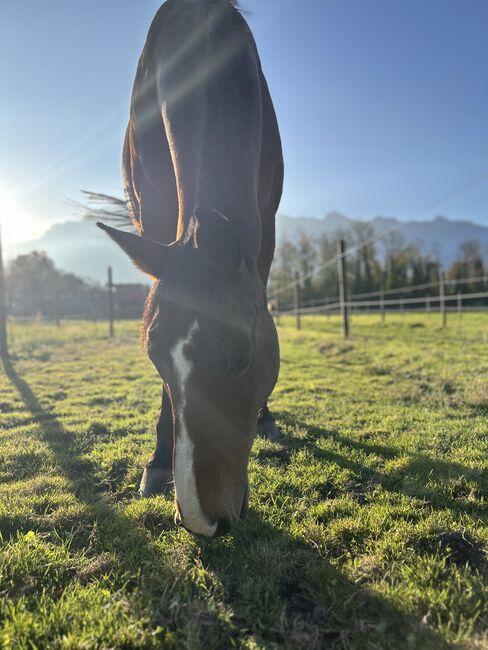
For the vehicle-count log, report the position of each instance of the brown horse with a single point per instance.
(203, 174)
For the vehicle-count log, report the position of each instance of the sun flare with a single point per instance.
(16, 223)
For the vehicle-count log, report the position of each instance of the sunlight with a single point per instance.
(17, 225)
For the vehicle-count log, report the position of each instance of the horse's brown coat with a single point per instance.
(203, 132)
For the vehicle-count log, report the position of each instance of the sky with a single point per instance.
(382, 104)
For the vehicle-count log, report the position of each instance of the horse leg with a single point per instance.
(266, 426)
(158, 472)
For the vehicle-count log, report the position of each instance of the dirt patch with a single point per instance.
(100, 401)
(98, 429)
(459, 548)
(277, 457)
(297, 601)
(416, 391)
(303, 619)
(368, 568)
(41, 356)
(447, 387)
(327, 490)
(58, 395)
(380, 371)
(477, 395)
(360, 490)
(97, 566)
(335, 348)
(114, 475)
(7, 407)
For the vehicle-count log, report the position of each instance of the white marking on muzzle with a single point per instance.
(184, 472)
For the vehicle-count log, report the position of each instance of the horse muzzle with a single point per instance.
(224, 524)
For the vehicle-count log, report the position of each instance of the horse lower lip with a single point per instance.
(223, 527)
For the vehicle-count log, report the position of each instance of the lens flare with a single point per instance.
(17, 224)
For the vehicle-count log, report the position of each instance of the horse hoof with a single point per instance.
(268, 430)
(155, 480)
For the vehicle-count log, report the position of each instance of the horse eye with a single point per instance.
(238, 365)
(234, 358)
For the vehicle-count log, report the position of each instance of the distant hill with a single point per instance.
(80, 247)
(440, 236)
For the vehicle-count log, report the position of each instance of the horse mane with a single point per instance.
(104, 207)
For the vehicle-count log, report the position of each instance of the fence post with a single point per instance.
(57, 317)
(460, 304)
(382, 305)
(3, 308)
(110, 303)
(442, 300)
(296, 300)
(427, 304)
(341, 271)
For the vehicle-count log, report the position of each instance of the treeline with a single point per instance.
(379, 265)
(35, 288)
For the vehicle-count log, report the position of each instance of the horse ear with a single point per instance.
(215, 236)
(149, 256)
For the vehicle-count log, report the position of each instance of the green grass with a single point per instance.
(368, 521)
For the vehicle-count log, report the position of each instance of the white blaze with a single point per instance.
(184, 473)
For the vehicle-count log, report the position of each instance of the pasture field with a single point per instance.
(368, 523)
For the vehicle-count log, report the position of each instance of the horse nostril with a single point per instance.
(223, 527)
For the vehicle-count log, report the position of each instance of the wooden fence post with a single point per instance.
(110, 303)
(296, 300)
(442, 299)
(341, 271)
(382, 305)
(427, 304)
(57, 308)
(460, 304)
(3, 308)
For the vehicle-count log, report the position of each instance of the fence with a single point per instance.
(110, 303)
(126, 301)
(437, 299)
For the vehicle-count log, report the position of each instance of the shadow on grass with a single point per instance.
(116, 531)
(280, 589)
(416, 478)
(300, 599)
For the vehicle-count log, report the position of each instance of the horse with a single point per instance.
(203, 175)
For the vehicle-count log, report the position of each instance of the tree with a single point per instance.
(36, 287)
(326, 282)
(470, 265)
(306, 263)
(366, 274)
(281, 276)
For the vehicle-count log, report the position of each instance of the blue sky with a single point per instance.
(382, 104)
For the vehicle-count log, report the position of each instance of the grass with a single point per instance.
(368, 521)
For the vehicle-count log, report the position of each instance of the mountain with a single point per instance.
(81, 248)
(440, 236)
